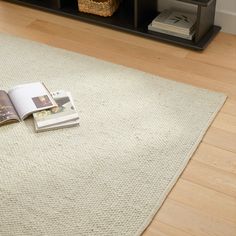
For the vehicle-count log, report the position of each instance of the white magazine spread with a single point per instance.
(29, 98)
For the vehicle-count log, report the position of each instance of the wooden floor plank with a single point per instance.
(223, 45)
(221, 52)
(211, 177)
(229, 107)
(211, 202)
(9, 19)
(216, 157)
(220, 138)
(228, 61)
(158, 228)
(193, 221)
(226, 122)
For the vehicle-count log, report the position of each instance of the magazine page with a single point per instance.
(7, 111)
(29, 98)
(64, 112)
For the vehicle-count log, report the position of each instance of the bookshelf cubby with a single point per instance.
(133, 16)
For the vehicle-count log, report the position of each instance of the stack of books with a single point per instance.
(50, 110)
(61, 116)
(175, 23)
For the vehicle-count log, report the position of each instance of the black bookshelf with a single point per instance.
(133, 16)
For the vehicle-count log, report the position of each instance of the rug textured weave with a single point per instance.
(110, 175)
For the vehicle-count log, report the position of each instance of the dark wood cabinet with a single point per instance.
(133, 16)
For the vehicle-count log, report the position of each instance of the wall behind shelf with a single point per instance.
(225, 12)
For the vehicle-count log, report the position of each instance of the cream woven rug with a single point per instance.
(110, 175)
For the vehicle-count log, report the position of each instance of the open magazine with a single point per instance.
(64, 115)
(23, 100)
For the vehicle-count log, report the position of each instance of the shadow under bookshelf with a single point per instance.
(133, 16)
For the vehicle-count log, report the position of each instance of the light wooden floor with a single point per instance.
(203, 202)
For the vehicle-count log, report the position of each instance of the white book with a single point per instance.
(58, 116)
(66, 124)
(184, 36)
(175, 21)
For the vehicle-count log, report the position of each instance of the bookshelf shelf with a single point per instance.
(133, 16)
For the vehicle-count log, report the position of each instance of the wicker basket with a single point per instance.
(99, 7)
